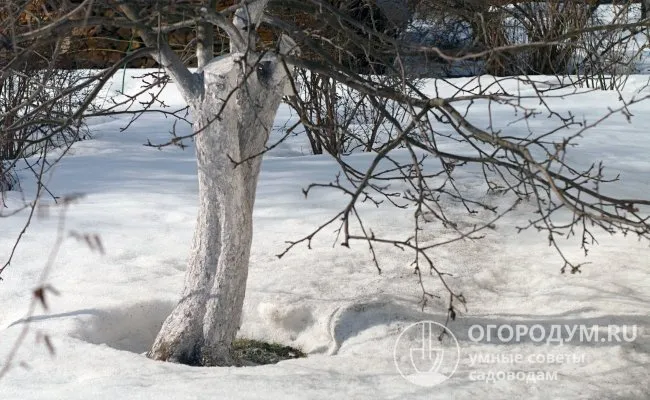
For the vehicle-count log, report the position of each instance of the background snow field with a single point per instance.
(328, 301)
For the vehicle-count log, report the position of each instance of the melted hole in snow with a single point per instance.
(130, 328)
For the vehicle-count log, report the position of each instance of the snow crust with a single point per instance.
(329, 301)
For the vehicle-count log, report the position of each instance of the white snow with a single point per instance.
(329, 301)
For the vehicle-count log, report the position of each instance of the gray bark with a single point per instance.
(239, 97)
(205, 39)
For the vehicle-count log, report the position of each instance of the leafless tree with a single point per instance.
(469, 26)
(232, 101)
(339, 120)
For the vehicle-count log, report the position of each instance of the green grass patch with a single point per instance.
(255, 352)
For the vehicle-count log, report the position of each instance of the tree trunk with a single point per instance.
(202, 327)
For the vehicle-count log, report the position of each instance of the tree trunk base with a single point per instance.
(203, 357)
(245, 353)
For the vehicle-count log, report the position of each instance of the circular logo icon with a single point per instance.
(426, 353)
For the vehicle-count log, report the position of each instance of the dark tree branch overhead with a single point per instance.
(187, 82)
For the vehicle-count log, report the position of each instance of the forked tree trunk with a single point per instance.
(202, 327)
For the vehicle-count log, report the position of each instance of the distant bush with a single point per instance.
(35, 113)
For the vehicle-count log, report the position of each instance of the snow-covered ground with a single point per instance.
(142, 202)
